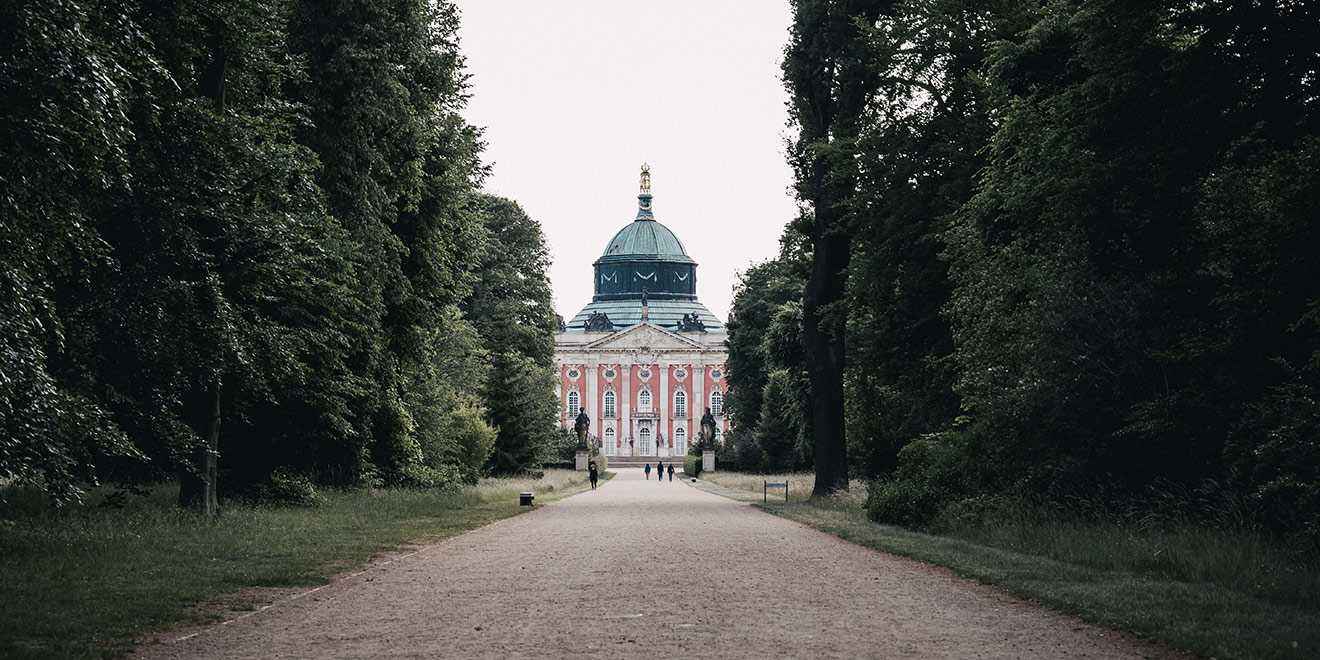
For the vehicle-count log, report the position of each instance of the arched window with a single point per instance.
(644, 400)
(609, 405)
(680, 440)
(716, 403)
(574, 403)
(610, 442)
(680, 404)
(645, 434)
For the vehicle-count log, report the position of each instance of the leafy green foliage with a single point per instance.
(65, 131)
(510, 306)
(768, 398)
(1080, 251)
(247, 229)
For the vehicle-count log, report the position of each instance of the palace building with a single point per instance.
(644, 357)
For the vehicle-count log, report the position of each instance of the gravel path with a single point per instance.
(638, 568)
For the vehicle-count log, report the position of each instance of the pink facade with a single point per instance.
(645, 389)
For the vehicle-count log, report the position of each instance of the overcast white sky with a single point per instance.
(575, 96)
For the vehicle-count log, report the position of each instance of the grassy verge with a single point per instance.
(1219, 593)
(84, 582)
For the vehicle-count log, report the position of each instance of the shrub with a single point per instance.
(726, 455)
(747, 449)
(562, 448)
(442, 477)
(471, 441)
(1276, 461)
(286, 487)
(932, 473)
(692, 465)
(396, 449)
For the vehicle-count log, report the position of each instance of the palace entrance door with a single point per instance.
(647, 443)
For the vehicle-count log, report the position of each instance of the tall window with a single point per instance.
(644, 400)
(680, 404)
(609, 405)
(680, 440)
(610, 444)
(645, 434)
(716, 403)
(574, 402)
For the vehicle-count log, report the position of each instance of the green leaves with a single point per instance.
(271, 206)
(1084, 228)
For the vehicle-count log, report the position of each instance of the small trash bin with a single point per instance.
(525, 499)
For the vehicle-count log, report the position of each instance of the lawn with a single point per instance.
(85, 581)
(1222, 593)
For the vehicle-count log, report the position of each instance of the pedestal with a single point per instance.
(581, 459)
(708, 461)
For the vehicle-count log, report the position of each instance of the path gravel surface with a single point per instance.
(659, 569)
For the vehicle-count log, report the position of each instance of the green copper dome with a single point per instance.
(645, 268)
(646, 238)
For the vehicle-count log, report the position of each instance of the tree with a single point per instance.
(400, 168)
(236, 227)
(510, 307)
(65, 99)
(829, 85)
(918, 156)
(759, 294)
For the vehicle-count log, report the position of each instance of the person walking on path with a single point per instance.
(671, 471)
(594, 473)
(647, 470)
(660, 471)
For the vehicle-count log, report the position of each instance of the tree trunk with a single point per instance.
(823, 336)
(827, 76)
(198, 486)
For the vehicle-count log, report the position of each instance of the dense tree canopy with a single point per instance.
(1078, 240)
(511, 306)
(247, 230)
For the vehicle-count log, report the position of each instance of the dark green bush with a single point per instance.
(932, 474)
(692, 465)
(1276, 461)
(726, 452)
(747, 449)
(290, 488)
(425, 476)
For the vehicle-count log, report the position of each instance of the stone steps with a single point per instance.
(639, 461)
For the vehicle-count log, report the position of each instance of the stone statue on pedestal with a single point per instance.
(581, 426)
(707, 430)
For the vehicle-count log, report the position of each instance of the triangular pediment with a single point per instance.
(644, 337)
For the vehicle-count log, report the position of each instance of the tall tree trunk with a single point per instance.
(823, 336)
(826, 74)
(198, 483)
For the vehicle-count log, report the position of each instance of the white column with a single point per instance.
(593, 375)
(664, 408)
(626, 364)
(697, 404)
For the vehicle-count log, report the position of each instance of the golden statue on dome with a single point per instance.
(646, 179)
